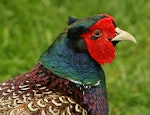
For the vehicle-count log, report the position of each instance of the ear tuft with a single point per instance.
(71, 20)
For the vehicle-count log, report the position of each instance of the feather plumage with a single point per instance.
(68, 79)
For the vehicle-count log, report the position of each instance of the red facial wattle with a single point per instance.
(101, 49)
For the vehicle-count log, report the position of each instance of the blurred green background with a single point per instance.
(28, 27)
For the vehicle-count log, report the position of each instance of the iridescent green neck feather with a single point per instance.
(64, 62)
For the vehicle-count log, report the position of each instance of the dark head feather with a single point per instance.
(71, 20)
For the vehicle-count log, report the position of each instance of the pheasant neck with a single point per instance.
(66, 63)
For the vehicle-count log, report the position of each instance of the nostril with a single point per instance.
(116, 33)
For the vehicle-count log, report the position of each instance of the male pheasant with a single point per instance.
(68, 78)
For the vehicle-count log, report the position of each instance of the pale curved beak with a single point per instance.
(123, 35)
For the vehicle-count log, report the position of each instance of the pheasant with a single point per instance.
(68, 78)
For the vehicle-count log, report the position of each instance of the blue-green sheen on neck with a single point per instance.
(77, 67)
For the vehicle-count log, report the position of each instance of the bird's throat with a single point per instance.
(76, 67)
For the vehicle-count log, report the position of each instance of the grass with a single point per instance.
(28, 27)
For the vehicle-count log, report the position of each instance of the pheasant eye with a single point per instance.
(97, 33)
